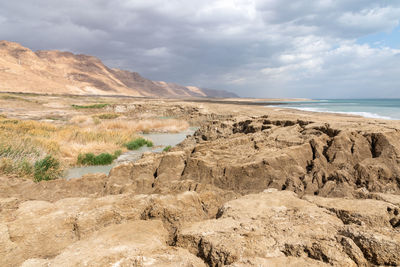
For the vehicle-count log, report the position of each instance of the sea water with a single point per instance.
(369, 108)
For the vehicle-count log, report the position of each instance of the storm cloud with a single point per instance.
(270, 48)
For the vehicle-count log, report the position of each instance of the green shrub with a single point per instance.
(167, 148)
(149, 143)
(138, 143)
(102, 159)
(94, 106)
(47, 169)
(117, 153)
(86, 159)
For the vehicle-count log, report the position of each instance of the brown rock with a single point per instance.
(379, 246)
(136, 243)
(42, 229)
(372, 213)
(133, 177)
(266, 225)
(171, 168)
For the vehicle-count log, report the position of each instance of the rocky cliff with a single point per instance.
(55, 72)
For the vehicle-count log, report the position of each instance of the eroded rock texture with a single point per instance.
(251, 191)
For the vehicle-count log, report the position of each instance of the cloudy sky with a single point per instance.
(257, 48)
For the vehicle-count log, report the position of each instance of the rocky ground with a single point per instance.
(254, 186)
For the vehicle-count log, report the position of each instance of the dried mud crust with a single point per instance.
(248, 191)
(301, 156)
(268, 228)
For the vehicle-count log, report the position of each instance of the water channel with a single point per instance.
(160, 141)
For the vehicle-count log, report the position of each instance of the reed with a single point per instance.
(23, 143)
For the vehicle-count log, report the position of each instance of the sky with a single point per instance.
(255, 48)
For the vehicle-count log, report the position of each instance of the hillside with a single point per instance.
(55, 72)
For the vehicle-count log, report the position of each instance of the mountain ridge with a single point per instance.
(58, 72)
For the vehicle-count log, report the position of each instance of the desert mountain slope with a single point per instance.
(55, 72)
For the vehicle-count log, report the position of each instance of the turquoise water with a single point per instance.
(370, 108)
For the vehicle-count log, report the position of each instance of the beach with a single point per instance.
(388, 109)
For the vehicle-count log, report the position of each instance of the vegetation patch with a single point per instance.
(93, 106)
(18, 154)
(55, 118)
(9, 121)
(23, 143)
(11, 97)
(6, 165)
(101, 159)
(167, 148)
(47, 169)
(107, 116)
(138, 143)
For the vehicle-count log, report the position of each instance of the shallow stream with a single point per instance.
(160, 141)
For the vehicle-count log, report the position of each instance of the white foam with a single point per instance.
(310, 109)
(368, 115)
(362, 114)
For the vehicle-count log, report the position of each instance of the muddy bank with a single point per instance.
(160, 141)
(259, 188)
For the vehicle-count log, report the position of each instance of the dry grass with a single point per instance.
(19, 151)
(13, 97)
(23, 142)
(148, 125)
(81, 120)
(107, 116)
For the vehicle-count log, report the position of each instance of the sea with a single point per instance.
(369, 108)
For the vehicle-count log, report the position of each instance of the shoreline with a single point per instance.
(386, 109)
(367, 115)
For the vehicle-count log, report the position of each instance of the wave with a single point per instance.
(362, 114)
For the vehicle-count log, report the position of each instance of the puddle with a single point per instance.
(80, 171)
(160, 141)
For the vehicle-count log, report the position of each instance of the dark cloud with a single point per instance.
(255, 48)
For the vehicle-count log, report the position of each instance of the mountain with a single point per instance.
(219, 93)
(56, 72)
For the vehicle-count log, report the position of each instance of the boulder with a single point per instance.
(264, 226)
(136, 243)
